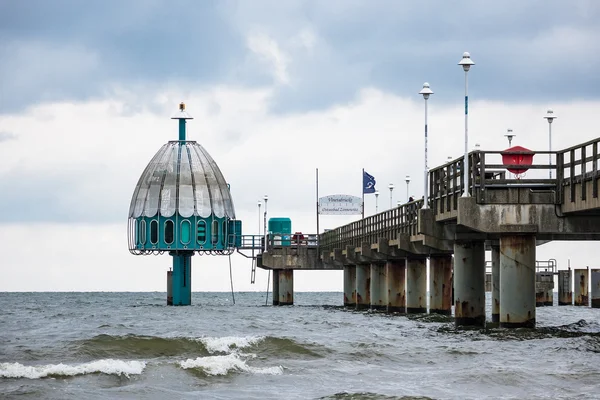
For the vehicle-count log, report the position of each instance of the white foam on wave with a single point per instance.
(107, 366)
(229, 344)
(221, 365)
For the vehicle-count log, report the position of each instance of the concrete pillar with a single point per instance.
(517, 281)
(182, 279)
(396, 286)
(565, 295)
(495, 283)
(469, 283)
(580, 284)
(350, 285)
(275, 295)
(544, 284)
(363, 283)
(169, 288)
(378, 288)
(440, 284)
(286, 287)
(416, 285)
(596, 288)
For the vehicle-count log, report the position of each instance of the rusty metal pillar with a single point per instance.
(440, 284)
(275, 295)
(416, 285)
(469, 283)
(517, 281)
(596, 288)
(350, 286)
(378, 292)
(363, 287)
(580, 284)
(286, 287)
(396, 286)
(565, 295)
(496, 283)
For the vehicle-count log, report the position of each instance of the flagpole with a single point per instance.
(362, 178)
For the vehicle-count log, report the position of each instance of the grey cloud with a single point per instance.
(523, 50)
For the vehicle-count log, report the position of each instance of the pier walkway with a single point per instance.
(510, 208)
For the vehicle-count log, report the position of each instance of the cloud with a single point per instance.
(268, 50)
(320, 53)
(84, 159)
(5, 136)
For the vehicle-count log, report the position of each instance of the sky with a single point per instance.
(277, 89)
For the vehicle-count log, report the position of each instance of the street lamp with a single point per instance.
(510, 135)
(466, 63)
(407, 191)
(426, 92)
(398, 203)
(266, 198)
(376, 201)
(550, 117)
(259, 204)
(391, 186)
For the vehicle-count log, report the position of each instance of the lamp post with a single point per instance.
(509, 135)
(376, 201)
(398, 203)
(266, 198)
(426, 92)
(550, 117)
(466, 63)
(407, 191)
(259, 204)
(391, 186)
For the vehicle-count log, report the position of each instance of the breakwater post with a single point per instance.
(565, 294)
(580, 284)
(596, 288)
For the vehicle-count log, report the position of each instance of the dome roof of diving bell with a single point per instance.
(182, 178)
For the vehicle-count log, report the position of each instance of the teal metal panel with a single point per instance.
(181, 284)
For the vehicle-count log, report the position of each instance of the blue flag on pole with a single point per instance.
(368, 183)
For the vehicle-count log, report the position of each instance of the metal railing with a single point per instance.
(387, 224)
(579, 165)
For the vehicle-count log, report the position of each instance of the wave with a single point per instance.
(108, 366)
(134, 346)
(222, 365)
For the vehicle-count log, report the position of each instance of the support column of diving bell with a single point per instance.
(396, 286)
(517, 281)
(286, 287)
(378, 287)
(350, 285)
(363, 289)
(496, 283)
(469, 283)
(440, 284)
(275, 295)
(416, 285)
(565, 294)
(181, 279)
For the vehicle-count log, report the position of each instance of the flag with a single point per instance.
(368, 183)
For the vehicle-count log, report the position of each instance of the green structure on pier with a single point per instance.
(182, 205)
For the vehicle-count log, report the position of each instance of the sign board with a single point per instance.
(340, 204)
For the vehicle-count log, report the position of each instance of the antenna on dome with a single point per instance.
(182, 115)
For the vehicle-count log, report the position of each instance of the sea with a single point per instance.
(132, 346)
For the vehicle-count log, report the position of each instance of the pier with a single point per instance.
(384, 256)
